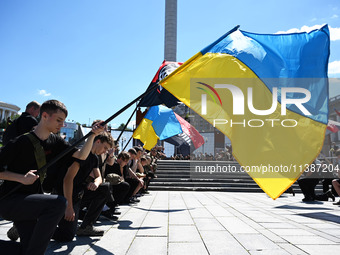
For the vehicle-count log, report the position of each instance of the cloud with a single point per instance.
(334, 31)
(334, 16)
(334, 67)
(43, 93)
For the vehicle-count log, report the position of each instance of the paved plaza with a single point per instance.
(173, 222)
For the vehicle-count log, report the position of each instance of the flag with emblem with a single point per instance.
(268, 93)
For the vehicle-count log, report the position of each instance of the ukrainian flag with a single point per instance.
(160, 123)
(264, 71)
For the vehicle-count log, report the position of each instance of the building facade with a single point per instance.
(8, 110)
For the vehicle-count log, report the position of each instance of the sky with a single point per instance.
(97, 56)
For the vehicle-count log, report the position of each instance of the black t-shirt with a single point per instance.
(86, 166)
(18, 156)
(115, 169)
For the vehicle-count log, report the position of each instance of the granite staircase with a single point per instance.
(180, 175)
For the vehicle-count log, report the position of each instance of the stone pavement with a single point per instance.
(171, 222)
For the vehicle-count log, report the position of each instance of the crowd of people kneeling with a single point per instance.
(83, 184)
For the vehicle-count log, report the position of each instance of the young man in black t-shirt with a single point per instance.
(135, 183)
(35, 214)
(120, 190)
(81, 187)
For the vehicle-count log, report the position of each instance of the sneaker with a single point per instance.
(13, 234)
(89, 231)
(116, 213)
(109, 215)
(337, 203)
(307, 199)
(134, 200)
(330, 195)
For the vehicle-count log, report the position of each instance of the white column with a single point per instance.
(12, 114)
(6, 114)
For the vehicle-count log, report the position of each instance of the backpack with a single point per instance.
(10, 132)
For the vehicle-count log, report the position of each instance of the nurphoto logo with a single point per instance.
(286, 96)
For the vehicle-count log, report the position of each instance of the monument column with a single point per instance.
(170, 39)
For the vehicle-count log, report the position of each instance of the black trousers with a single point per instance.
(35, 217)
(307, 187)
(110, 201)
(133, 185)
(325, 185)
(66, 230)
(147, 179)
(94, 201)
(10, 247)
(120, 191)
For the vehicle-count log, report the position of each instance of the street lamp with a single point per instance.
(123, 140)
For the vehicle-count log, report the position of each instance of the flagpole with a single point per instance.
(127, 143)
(63, 153)
(126, 124)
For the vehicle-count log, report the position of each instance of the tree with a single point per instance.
(121, 127)
(3, 124)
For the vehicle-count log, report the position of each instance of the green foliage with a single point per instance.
(3, 124)
(121, 127)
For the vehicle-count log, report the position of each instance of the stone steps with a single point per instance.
(176, 175)
(199, 188)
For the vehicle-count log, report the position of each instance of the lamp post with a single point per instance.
(123, 140)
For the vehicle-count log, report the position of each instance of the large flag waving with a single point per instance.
(160, 95)
(268, 94)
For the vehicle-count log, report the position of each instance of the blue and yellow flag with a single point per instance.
(160, 123)
(268, 94)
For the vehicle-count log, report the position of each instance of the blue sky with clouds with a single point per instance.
(97, 56)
